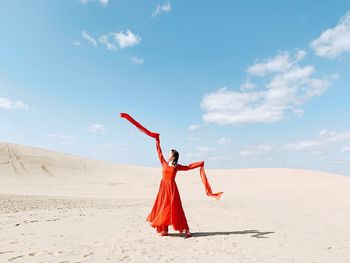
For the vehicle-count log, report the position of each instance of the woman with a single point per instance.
(167, 209)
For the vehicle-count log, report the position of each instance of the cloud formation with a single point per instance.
(98, 128)
(193, 127)
(312, 146)
(76, 43)
(319, 145)
(101, 2)
(89, 38)
(333, 42)
(108, 42)
(201, 151)
(223, 140)
(287, 86)
(345, 149)
(137, 60)
(164, 8)
(113, 40)
(8, 104)
(323, 143)
(127, 39)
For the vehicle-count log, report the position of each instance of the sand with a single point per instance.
(56, 207)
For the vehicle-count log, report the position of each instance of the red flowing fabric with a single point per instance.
(138, 125)
(181, 167)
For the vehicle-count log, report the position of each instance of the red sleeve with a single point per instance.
(190, 166)
(138, 125)
(159, 151)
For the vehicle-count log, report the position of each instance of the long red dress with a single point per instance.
(167, 209)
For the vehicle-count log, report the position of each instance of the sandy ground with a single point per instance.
(60, 208)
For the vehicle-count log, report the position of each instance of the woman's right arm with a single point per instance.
(159, 151)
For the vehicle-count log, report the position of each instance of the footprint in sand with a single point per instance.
(86, 255)
(36, 253)
(54, 219)
(13, 258)
(17, 242)
(55, 253)
(123, 258)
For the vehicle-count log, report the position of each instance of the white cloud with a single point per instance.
(61, 138)
(248, 85)
(97, 128)
(102, 2)
(219, 158)
(124, 147)
(164, 8)
(107, 42)
(223, 140)
(319, 145)
(301, 54)
(279, 63)
(8, 104)
(76, 43)
(227, 107)
(345, 149)
(201, 151)
(89, 38)
(137, 60)
(334, 41)
(193, 127)
(205, 149)
(327, 133)
(113, 41)
(299, 112)
(290, 85)
(127, 39)
(325, 141)
(256, 149)
(313, 146)
(333, 136)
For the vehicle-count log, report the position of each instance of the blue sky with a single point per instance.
(237, 84)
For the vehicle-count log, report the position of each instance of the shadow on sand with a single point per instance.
(253, 233)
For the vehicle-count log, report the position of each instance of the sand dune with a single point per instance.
(56, 207)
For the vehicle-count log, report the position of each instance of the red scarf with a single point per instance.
(155, 135)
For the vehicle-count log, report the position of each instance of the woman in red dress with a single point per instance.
(167, 209)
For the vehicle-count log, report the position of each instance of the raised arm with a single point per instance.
(159, 151)
(190, 166)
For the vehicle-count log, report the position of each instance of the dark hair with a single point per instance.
(176, 156)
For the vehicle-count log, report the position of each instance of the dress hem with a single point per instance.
(166, 226)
